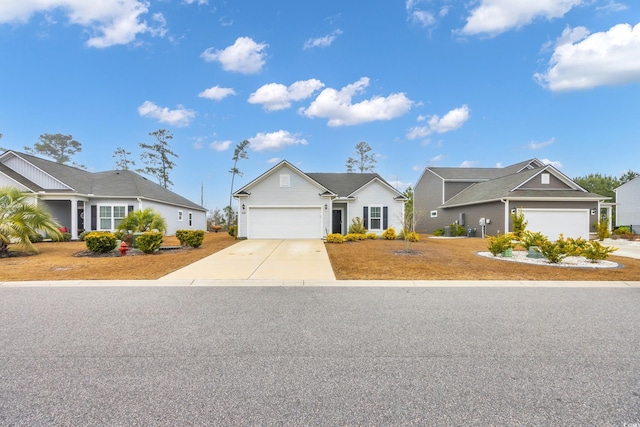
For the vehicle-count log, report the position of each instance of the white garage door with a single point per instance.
(284, 223)
(553, 222)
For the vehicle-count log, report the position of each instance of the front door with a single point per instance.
(336, 220)
(80, 219)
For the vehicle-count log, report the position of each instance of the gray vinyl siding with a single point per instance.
(536, 183)
(628, 207)
(493, 211)
(427, 196)
(60, 211)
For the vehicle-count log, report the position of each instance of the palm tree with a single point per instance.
(21, 221)
(143, 220)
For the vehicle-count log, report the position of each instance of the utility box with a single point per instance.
(471, 232)
(447, 231)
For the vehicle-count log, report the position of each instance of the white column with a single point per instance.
(74, 218)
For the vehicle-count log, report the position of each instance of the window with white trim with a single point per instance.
(190, 219)
(544, 178)
(434, 214)
(111, 216)
(375, 217)
(179, 215)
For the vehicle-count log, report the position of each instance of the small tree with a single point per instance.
(239, 153)
(123, 162)
(23, 221)
(57, 146)
(363, 161)
(519, 224)
(143, 220)
(156, 158)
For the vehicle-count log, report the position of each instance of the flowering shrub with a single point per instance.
(372, 236)
(334, 238)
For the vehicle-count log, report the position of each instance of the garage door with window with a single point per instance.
(284, 223)
(553, 222)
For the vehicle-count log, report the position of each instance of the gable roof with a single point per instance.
(508, 188)
(333, 184)
(123, 183)
(482, 174)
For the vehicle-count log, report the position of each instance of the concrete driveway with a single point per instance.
(304, 259)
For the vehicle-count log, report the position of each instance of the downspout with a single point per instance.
(139, 203)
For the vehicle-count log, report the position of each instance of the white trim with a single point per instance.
(320, 208)
(112, 218)
(381, 218)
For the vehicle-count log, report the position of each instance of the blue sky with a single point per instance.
(479, 83)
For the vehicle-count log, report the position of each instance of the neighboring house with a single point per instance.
(81, 200)
(286, 203)
(628, 204)
(551, 202)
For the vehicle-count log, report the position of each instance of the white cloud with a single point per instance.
(179, 117)
(273, 160)
(110, 22)
(337, 106)
(199, 2)
(422, 17)
(582, 61)
(398, 185)
(451, 121)
(555, 164)
(417, 168)
(216, 93)
(322, 41)
(493, 17)
(533, 145)
(275, 96)
(275, 141)
(220, 145)
(244, 56)
(468, 164)
(612, 6)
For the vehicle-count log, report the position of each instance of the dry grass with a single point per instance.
(57, 261)
(453, 259)
(433, 259)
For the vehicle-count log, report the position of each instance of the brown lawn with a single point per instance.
(453, 259)
(432, 259)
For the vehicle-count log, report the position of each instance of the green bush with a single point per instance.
(149, 241)
(233, 230)
(143, 220)
(334, 238)
(357, 226)
(595, 251)
(66, 237)
(602, 229)
(36, 238)
(458, 230)
(82, 235)
(389, 234)
(519, 224)
(499, 243)
(554, 252)
(372, 236)
(411, 236)
(100, 241)
(354, 237)
(438, 232)
(193, 238)
(531, 238)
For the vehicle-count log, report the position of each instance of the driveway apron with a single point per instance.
(304, 259)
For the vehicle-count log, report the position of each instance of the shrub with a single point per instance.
(389, 234)
(595, 251)
(82, 235)
(411, 236)
(351, 237)
(438, 232)
(602, 229)
(372, 236)
(499, 243)
(149, 241)
(334, 238)
(458, 230)
(531, 238)
(100, 241)
(193, 238)
(554, 252)
(233, 230)
(357, 226)
(66, 237)
(519, 223)
(143, 220)
(623, 232)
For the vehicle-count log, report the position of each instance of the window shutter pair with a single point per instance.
(385, 217)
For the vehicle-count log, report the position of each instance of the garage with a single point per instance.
(298, 222)
(553, 222)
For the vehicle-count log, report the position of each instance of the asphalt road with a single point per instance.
(319, 356)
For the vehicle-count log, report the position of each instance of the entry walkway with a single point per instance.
(304, 259)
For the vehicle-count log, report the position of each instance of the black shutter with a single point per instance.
(365, 216)
(94, 217)
(129, 208)
(385, 218)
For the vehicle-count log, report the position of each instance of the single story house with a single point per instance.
(628, 204)
(484, 199)
(81, 200)
(286, 203)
